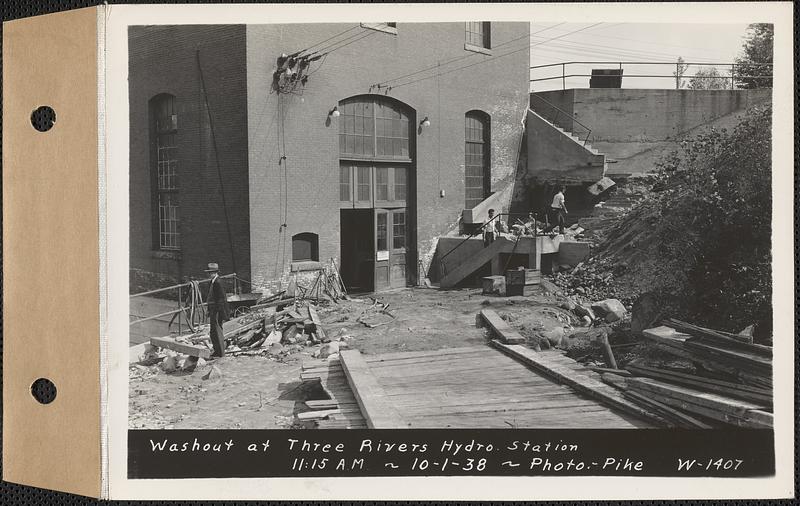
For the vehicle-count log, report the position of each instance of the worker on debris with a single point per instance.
(557, 212)
(217, 309)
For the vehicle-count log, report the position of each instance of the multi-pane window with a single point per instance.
(372, 127)
(478, 33)
(165, 126)
(382, 183)
(380, 232)
(476, 163)
(344, 183)
(364, 184)
(391, 131)
(400, 183)
(398, 229)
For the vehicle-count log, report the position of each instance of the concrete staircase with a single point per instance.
(557, 154)
(466, 265)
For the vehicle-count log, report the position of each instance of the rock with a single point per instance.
(568, 305)
(275, 349)
(584, 311)
(586, 320)
(214, 373)
(328, 349)
(333, 357)
(611, 309)
(554, 336)
(201, 362)
(169, 364)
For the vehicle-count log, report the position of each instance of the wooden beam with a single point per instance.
(710, 405)
(377, 410)
(579, 382)
(500, 327)
(186, 348)
(736, 390)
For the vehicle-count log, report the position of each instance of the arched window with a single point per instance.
(305, 247)
(373, 127)
(164, 170)
(477, 149)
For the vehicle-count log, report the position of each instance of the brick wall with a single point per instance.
(163, 59)
(498, 87)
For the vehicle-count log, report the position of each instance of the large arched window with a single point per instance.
(373, 127)
(164, 169)
(477, 149)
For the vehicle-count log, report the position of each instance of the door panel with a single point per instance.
(382, 247)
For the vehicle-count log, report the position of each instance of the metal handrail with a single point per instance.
(561, 111)
(676, 75)
(443, 270)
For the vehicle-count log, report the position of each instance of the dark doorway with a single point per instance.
(357, 249)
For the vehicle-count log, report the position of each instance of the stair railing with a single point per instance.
(557, 112)
(479, 230)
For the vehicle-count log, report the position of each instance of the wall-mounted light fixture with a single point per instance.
(334, 113)
(425, 123)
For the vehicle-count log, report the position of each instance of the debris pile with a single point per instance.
(719, 378)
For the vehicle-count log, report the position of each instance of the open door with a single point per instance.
(391, 237)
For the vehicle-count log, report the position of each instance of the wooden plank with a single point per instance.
(735, 390)
(666, 411)
(710, 405)
(718, 338)
(744, 358)
(378, 412)
(311, 415)
(500, 327)
(402, 355)
(584, 384)
(312, 313)
(185, 348)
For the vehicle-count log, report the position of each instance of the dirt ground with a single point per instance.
(264, 392)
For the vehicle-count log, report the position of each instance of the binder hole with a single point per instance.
(43, 390)
(43, 118)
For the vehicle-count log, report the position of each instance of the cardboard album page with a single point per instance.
(400, 251)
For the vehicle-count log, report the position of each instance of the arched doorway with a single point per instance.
(376, 192)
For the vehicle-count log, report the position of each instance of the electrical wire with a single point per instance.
(459, 58)
(326, 40)
(494, 58)
(636, 53)
(362, 36)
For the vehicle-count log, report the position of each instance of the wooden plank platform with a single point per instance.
(499, 326)
(471, 387)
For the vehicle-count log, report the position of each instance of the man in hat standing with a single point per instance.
(217, 309)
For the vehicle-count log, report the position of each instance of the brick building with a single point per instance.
(235, 159)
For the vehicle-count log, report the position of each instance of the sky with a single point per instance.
(630, 42)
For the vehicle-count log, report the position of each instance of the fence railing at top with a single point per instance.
(680, 69)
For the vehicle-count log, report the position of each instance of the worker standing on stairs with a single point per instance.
(217, 310)
(489, 230)
(557, 212)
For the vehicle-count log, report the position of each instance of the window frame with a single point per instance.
(312, 239)
(166, 198)
(386, 27)
(486, 130)
(485, 46)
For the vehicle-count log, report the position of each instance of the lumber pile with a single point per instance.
(340, 409)
(276, 328)
(327, 285)
(731, 383)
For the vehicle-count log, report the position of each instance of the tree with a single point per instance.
(755, 61)
(680, 69)
(708, 78)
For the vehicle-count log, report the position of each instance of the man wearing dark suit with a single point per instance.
(217, 310)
